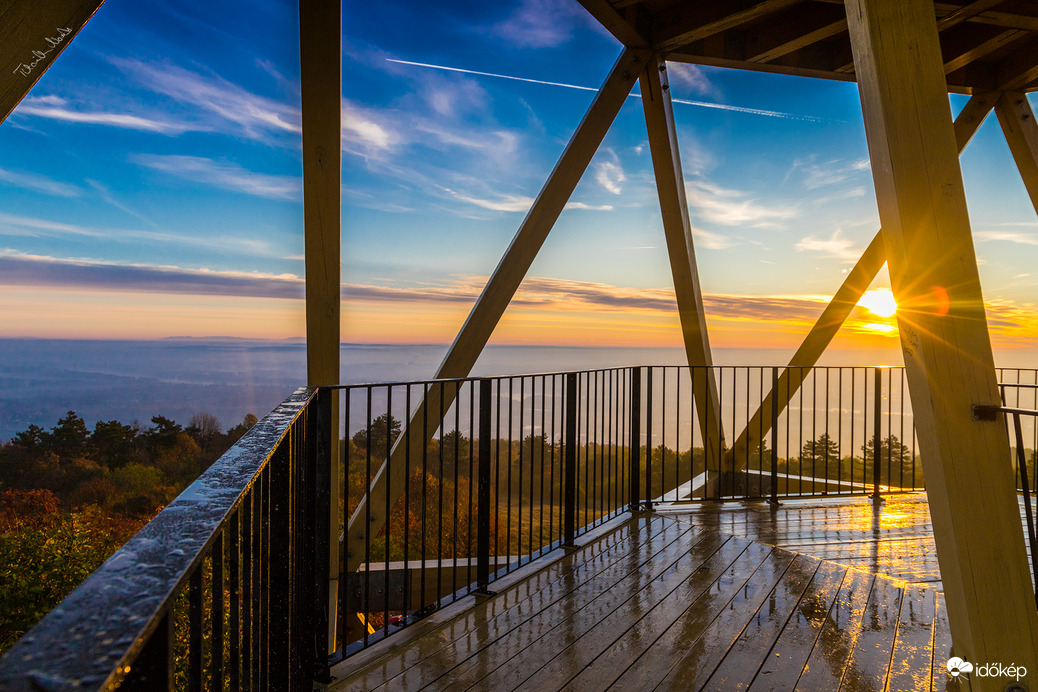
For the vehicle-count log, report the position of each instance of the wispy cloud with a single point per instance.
(691, 77)
(224, 102)
(17, 269)
(538, 24)
(496, 203)
(223, 174)
(834, 246)
(38, 183)
(712, 241)
(610, 175)
(56, 108)
(361, 133)
(732, 207)
(820, 174)
(14, 225)
(1006, 236)
(106, 195)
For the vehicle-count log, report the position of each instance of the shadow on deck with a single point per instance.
(694, 598)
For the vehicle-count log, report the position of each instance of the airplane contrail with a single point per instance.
(685, 102)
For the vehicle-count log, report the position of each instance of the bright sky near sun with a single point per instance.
(150, 185)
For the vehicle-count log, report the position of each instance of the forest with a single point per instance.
(70, 496)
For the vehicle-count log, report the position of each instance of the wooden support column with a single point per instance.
(491, 304)
(1017, 120)
(32, 35)
(843, 302)
(947, 351)
(320, 52)
(670, 186)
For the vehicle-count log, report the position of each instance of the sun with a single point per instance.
(879, 301)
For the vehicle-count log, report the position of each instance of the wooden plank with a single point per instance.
(967, 11)
(1018, 69)
(496, 641)
(369, 515)
(767, 599)
(912, 659)
(801, 41)
(1017, 120)
(789, 655)
(869, 664)
(642, 656)
(941, 319)
(581, 629)
(670, 187)
(689, 22)
(545, 588)
(33, 34)
(832, 650)
(750, 651)
(984, 48)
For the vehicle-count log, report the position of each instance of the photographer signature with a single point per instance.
(26, 69)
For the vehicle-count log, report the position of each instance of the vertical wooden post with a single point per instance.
(948, 358)
(1017, 120)
(320, 53)
(670, 187)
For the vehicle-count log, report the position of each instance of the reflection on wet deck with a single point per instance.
(664, 602)
(894, 539)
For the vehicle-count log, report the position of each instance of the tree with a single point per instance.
(31, 438)
(205, 428)
(820, 451)
(68, 438)
(890, 448)
(235, 433)
(111, 443)
(381, 428)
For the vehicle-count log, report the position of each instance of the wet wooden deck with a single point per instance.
(675, 601)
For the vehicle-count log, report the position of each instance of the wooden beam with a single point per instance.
(839, 308)
(606, 15)
(965, 12)
(32, 35)
(800, 41)
(943, 329)
(695, 21)
(491, 304)
(1017, 120)
(984, 48)
(670, 187)
(320, 55)
(1018, 69)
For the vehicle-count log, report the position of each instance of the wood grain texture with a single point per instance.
(32, 35)
(941, 319)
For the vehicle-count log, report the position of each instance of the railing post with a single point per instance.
(636, 437)
(483, 490)
(774, 436)
(877, 422)
(648, 438)
(1021, 460)
(570, 463)
(320, 491)
(153, 668)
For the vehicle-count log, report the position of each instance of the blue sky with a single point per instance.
(150, 184)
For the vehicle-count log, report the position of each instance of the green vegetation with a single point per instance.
(69, 497)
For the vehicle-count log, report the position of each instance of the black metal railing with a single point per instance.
(219, 591)
(436, 490)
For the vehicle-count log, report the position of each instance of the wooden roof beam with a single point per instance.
(801, 41)
(1019, 69)
(691, 22)
(984, 48)
(965, 12)
(32, 35)
(615, 23)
